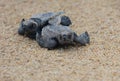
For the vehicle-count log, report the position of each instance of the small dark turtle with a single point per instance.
(28, 27)
(54, 35)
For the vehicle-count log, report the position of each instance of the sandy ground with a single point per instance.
(22, 59)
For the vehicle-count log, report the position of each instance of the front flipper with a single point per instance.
(83, 39)
(46, 42)
(65, 21)
(21, 30)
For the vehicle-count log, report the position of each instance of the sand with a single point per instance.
(22, 59)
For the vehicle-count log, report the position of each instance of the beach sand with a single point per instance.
(22, 59)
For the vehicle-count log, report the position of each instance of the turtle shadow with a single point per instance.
(68, 47)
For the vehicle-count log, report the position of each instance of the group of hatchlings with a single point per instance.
(51, 30)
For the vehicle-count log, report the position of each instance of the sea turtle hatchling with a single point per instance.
(54, 35)
(28, 27)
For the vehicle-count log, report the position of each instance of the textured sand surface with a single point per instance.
(21, 59)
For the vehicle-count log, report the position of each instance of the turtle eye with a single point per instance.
(69, 36)
(31, 27)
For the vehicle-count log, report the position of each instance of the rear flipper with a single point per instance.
(46, 42)
(83, 39)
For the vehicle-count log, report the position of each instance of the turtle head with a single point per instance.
(29, 26)
(66, 38)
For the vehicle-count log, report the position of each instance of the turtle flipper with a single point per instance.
(83, 39)
(62, 20)
(46, 42)
(21, 30)
(65, 21)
